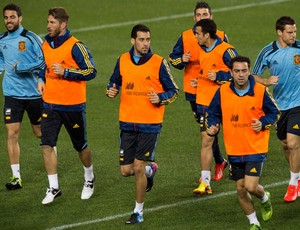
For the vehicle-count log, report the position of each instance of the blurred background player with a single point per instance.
(282, 58)
(21, 58)
(185, 55)
(214, 59)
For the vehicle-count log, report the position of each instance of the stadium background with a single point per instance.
(104, 26)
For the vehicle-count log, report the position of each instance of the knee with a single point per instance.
(251, 188)
(126, 171)
(292, 145)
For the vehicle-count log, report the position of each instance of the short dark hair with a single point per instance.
(239, 59)
(13, 7)
(283, 21)
(204, 5)
(208, 26)
(137, 28)
(59, 13)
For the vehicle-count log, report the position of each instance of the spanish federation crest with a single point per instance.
(22, 46)
(297, 59)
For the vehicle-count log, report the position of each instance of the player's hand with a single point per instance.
(186, 57)
(273, 80)
(41, 87)
(58, 69)
(213, 130)
(112, 91)
(194, 82)
(212, 75)
(154, 99)
(256, 125)
(15, 66)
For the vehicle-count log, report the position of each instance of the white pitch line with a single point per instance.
(168, 206)
(176, 16)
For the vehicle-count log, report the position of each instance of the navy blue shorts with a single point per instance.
(289, 122)
(74, 122)
(137, 145)
(238, 171)
(14, 110)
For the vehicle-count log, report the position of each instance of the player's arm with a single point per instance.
(271, 111)
(175, 57)
(23, 66)
(115, 82)
(214, 115)
(260, 65)
(1, 62)
(86, 67)
(169, 85)
(224, 76)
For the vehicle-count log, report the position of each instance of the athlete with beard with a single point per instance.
(21, 58)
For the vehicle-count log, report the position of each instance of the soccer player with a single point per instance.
(146, 85)
(214, 58)
(247, 111)
(69, 64)
(21, 58)
(185, 55)
(282, 58)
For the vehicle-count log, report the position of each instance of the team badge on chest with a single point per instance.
(22, 46)
(297, 59)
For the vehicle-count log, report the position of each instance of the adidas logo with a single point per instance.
(234, 117)
(75, 126)
(253, 108)
(147, 154)
(296, 126)
(129, 85)
(148, 78)
(253, 170)
(275, 62)
(4, 47)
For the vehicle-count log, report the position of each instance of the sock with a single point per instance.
(88, 173)
(294, 179)
(216, 152)
(53, 181)
(55, 150)
(264, 199)
(252, 218)
(16, 170)
(148, 171)
(139, 208)
(205, 175)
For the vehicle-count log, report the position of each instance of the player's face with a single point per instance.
(11, 20)
(201, 37)
(202, 13)
(141, 43)
(288, 35)
(54, 27)
(240, 73)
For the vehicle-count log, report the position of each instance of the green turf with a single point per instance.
(171, 203)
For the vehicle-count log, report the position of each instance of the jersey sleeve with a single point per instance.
(83, 57)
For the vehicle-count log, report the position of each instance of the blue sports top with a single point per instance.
(285, 63)
(21, 47)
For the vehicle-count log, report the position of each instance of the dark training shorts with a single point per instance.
(74, 123)
(136, 145)
(238, 171)
(289, 122)
(14, 110)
